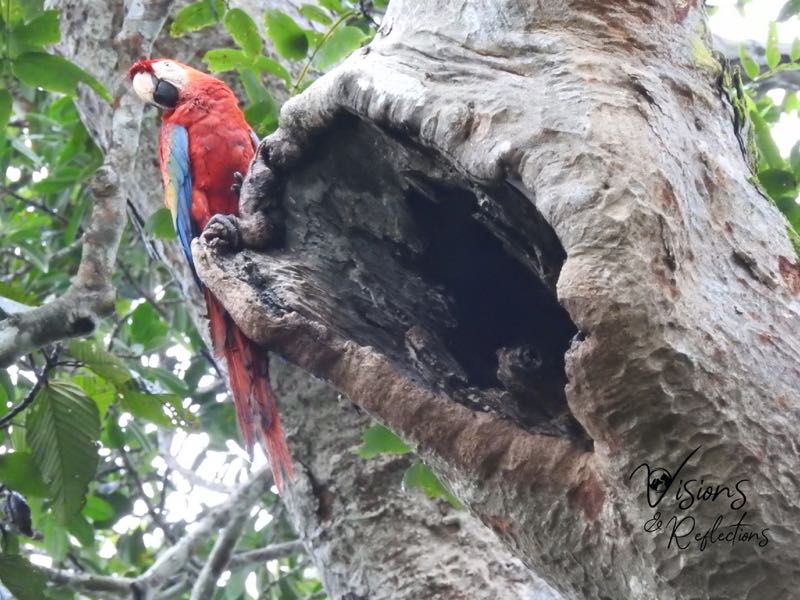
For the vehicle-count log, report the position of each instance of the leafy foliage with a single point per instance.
(419, 476)
(21, 578)
(333, 29)
(62, 428)
(378, 440)
(776, 174)
(97, 415)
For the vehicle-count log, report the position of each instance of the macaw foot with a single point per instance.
(238, 179)
(223, 231)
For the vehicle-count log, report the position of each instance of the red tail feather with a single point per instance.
(248, 374)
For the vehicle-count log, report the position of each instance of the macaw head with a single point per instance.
(160, 81)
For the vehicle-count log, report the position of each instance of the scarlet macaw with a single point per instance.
(205, 145)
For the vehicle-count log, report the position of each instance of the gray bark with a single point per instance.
(423, 550)
(523, 236)
(369, 538)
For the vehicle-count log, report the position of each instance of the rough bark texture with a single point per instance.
(367, 537)
(373, 541)
(522, 235)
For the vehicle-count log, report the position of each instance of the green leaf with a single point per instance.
(149, 407)
(53, 73)
(379, 440)
(147, 327)
(82, 530)
(264, 63)
(773, 53)
(131, 548)
(220, 60)
(98, 509)
(120, 505)
(235, 586)
(315, 14)
(253, 87)
(5, 110)
(419, 476)
(7, 393)
(794, 159)
(790, 9)
(98, 359)
(196, 16)
(12, 292)
(101, 391)
(160, 225)
(750, 66)
(61, 179)
(10, 307)
(287, 36)
(262, 117)
(790, 102)
(19, 10)
(794, 53)
(42, 31)
(21, 578)
(244, 31)
(62, 427)
(20, 472)
(334, 5)
(767, 149)
(56, 541)
(338, 46)
(778, 182)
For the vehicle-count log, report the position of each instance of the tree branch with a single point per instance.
(174, 560)
(89, 584)
(270, 552)
(219, 557)
(239, 502)
(91, 295)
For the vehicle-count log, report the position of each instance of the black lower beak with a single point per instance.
(165, 94)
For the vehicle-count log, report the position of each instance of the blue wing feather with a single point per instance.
(176, 170)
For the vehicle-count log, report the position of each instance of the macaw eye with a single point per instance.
(165, 94)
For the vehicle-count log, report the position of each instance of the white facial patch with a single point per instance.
(144, 86)
(171, 72)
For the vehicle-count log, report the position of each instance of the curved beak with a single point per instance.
(155, 91)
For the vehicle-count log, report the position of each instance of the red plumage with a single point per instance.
(220, 144)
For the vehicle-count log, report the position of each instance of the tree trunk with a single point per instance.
(366, 537)
(523, 236)
(369, 538)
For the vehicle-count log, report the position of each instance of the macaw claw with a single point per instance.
(238, 179)
(222, 231)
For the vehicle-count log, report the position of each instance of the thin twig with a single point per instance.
(239, 501)
(117, 328)
(149, 298)
(41, 380)
(349, 14)
(35, 204)
(262, 555)
(154, 514)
